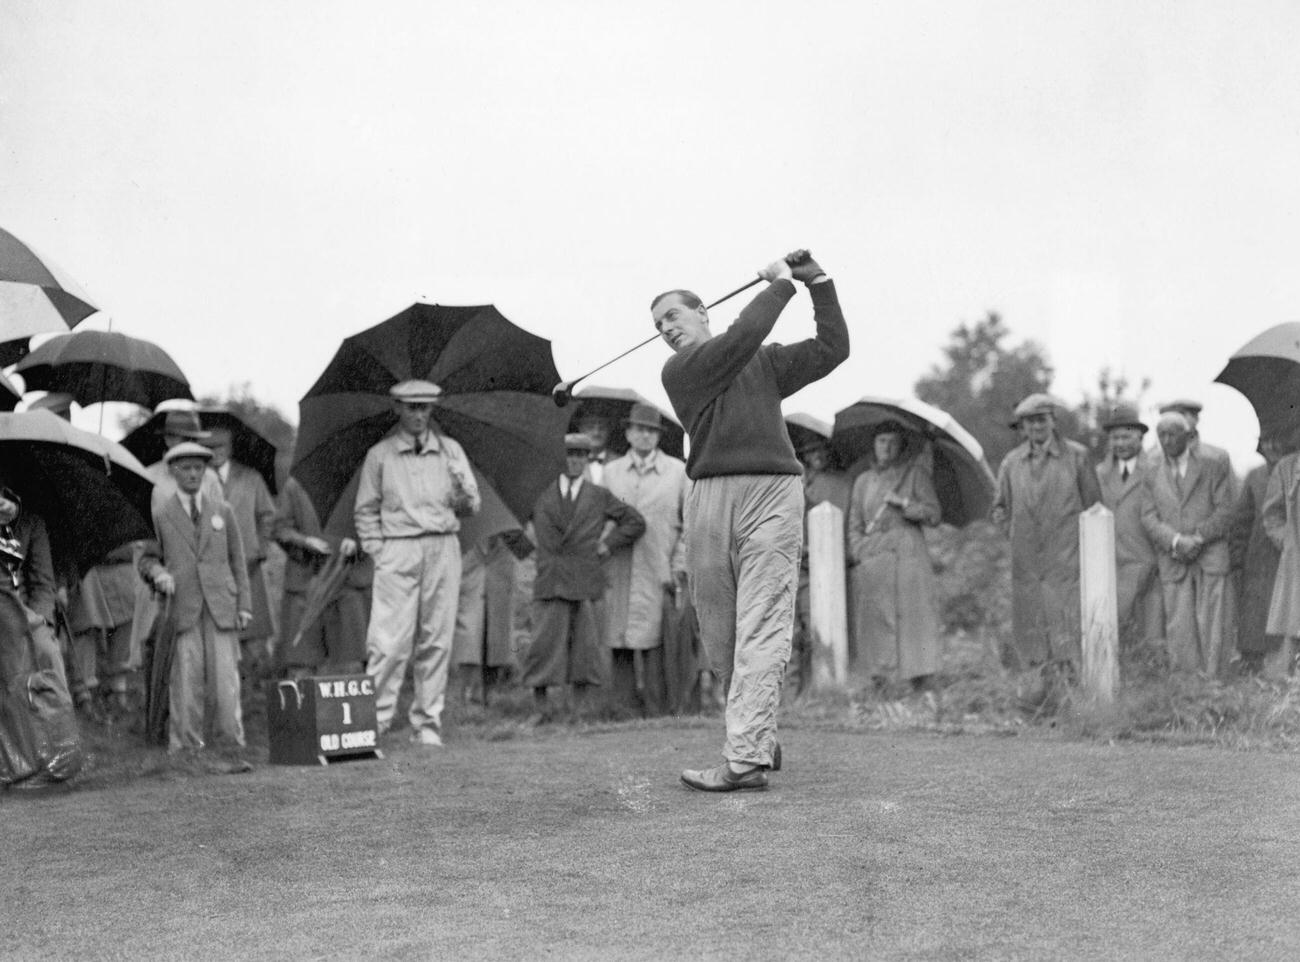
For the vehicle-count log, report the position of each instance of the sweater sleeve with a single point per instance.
(700, 374)
(798, 365)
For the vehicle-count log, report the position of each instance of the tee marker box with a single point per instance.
(322, 719)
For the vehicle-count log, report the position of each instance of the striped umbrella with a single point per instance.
(36, 297)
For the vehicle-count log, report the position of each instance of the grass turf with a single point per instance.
(580, 843)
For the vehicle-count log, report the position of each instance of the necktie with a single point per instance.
(418, 445)
(194, 510)
(1123, 475)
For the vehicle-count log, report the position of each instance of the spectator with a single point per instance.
(897, 623)
(485, 615)
(576, 524)
(1043, 485)
(654, 483)
(1281, 520)
(198, 560)
(1120, 476)
(1255, 561)
(1187, 505)
(336, 642)
(415, 486)
(246, 492)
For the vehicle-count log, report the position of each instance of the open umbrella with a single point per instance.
(247, 446)
(92, 493)
(95, 366)
(805, 429)
(962, 478)
(9, 396)
(36, 297)
(1267, 371)
(496, 380)
(615, 404)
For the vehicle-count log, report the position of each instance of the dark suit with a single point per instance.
(206, 560)
(1200, 616)
(1141, 604)
(570, 576)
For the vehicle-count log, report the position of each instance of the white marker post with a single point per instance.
(826, 596)
(1098, 607)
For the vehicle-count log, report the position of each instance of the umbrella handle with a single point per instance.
(290, 683)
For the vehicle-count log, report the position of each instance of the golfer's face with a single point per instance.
(414, 418)
(681, 326)
(188, 473)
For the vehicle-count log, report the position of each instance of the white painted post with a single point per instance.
(826, 596)
(1098, 607)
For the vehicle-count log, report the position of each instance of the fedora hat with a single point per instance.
(645, 416)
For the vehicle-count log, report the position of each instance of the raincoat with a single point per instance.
(1040, 496)
(896, 616)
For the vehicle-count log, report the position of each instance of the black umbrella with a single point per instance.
(496, 380)
(92, 493)
(9, 396)
(95, 366)
(614, 404)
(962, 478)
(246, 445)
(1267, 371)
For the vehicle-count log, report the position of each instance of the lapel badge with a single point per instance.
(218, 522)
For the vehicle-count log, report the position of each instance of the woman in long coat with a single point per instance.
(896, 618)
(1255, 559)
(1282, 525)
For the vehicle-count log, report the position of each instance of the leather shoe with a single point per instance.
(723, 779)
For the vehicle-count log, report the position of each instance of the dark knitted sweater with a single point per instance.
(728, 390)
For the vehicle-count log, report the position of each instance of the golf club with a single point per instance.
(562, 393)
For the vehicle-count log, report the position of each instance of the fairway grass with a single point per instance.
(576, 843)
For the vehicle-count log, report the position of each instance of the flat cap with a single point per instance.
(1036, 404)
(415, 392)
(1122, 415)
(1182, 406)
(187, 449)
(577, 442)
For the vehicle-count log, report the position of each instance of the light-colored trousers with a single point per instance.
(744, 535)
(1200, 621)
(100, 651)
(413, 616)
(204, 696)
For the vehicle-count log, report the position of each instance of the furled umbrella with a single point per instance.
(614, 404)
(496, 380)
(96, 366)
(1267, 371)
(36, 297)
(247, 446)
(92, 492)
(962, 478)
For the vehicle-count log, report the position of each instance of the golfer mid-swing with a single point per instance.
(744, 514)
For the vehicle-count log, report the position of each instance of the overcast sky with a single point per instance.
(249, 183)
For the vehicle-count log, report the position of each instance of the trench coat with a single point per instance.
(1282, 525)
(246, 493)
(1141, 607)
(892, 579)
(485, 609)
(638, 573)
(1039, 499)
(1255, 559)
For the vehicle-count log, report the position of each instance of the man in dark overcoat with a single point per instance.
(576, 524)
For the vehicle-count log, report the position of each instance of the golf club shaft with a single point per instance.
(564, 390)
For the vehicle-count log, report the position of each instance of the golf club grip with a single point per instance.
(801, 256)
